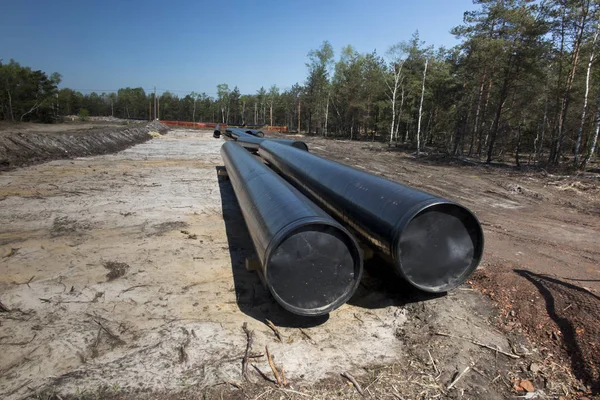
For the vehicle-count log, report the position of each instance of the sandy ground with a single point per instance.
(124, 277)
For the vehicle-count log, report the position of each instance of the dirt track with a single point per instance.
(124, 275)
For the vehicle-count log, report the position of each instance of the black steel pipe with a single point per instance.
(433, 243)
(242, 131)
(310, 262)
(252, 143)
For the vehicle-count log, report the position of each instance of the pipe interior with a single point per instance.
(440, 247)
(314, 269)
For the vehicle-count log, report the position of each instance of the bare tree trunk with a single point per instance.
(427, 131)
(12, 117)
(32, 109)
(393, 115)
(298, 115)
(326, 114)
(557, 148)
(478, 109)
(399, 114)
(397, 71)
(243, 113)
(194, 112)
(397, 129)
(421, 109)
(255, 112)
(271, 113)
(585, 98)
(496, 123)
(592, 147)
(518, 145)
(539, 146)
(480, 141)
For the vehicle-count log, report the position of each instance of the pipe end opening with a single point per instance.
(300, 145)
(314, 269)
(440, 247)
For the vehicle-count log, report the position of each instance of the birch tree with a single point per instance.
(585, 97)
(421, 108)
(397, 56)
(223, 99)
(273, 95)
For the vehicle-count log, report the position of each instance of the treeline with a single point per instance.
(523, 83)
(26, 94)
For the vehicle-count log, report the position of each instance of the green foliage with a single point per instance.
(83, 114)
(27, 95)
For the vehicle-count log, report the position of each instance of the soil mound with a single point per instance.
(20, 148)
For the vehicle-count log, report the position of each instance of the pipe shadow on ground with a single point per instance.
(379, 287)
(578, 325)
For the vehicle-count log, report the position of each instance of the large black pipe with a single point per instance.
(238, 131)
(252, 143)
(433, 243)
(311, 264)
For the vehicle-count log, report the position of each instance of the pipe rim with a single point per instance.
(300, 145)
(351, 243)
(420, 209)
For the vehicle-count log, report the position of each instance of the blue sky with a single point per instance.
(195, 45)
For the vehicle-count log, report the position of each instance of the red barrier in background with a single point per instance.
(282, 129)
(213, 125)
(197, 125)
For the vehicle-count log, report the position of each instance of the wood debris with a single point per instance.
(249, 341)
(478, 344)
(262, 374)
(275, 330)
(273, 367)
(307, 336)
(354, 382)
(450, 386)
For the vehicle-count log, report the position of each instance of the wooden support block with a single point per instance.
(252, 264)
(222, 173)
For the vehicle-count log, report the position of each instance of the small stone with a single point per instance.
(535, 368)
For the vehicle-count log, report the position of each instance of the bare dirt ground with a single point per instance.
(542, 255)
(122, 276)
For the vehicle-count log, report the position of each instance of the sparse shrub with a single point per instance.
(83, 114)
